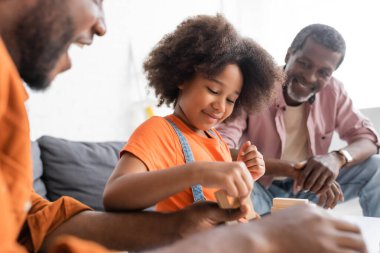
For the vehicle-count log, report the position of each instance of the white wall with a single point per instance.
(103, 97)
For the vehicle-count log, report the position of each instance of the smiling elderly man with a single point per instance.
(295, 132)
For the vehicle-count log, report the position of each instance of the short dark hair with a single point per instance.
(207, 44)
(324, 35)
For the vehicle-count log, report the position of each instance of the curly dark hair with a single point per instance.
(324, 35)
(206, 44)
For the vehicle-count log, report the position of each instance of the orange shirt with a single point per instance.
(157, 145)
(45, 216)
(19, 203)
(15, 159)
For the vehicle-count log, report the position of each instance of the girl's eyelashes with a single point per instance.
(231, 101)
(212, 91)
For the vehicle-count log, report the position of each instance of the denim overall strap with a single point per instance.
(213, 134)
(196, 189)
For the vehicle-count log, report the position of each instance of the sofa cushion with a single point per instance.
(77, 169)
(38, 184)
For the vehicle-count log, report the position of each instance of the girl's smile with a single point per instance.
(205, 102)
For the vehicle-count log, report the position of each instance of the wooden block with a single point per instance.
(281, 203)
(251, 213)
(227, 202)
(273, 209)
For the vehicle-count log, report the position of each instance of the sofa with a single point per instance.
(76, 169)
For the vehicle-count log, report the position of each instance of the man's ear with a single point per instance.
(288, 53)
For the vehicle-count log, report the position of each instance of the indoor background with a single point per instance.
(104, 96)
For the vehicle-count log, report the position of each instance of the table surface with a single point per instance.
(370, 228)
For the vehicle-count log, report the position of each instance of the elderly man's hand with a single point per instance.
(330, 198)
(318, 173)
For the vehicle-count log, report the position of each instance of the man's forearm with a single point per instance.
(121, 231)
(239, 238)
(278, 232)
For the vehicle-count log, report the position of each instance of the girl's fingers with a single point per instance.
(254, 162)
(231, 189)
(248, 180)
(243, 149)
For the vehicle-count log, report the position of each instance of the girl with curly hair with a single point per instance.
(209, 73)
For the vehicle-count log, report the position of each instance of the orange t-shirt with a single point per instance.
(45, 216)
(15, 159)
(157, 145)
(19, 203)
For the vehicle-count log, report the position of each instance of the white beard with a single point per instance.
(296, 97)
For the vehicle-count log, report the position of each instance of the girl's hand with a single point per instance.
(233, 177)
(253, 159)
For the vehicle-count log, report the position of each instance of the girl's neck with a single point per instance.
(178, 112)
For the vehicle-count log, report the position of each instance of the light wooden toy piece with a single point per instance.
(251, 213)
(282, 203)
(227, 202)
(286, 202)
